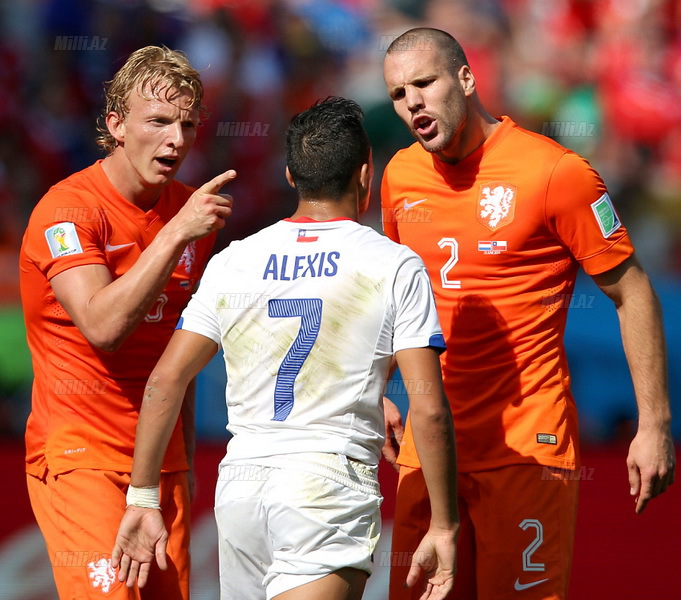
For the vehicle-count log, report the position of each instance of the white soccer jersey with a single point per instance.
(309, 315)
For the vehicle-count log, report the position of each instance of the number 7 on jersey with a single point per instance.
(310, 312)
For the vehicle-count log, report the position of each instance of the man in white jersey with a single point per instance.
(309, 313)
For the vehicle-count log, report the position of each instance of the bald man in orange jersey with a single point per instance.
(109, 259)
(503, 218)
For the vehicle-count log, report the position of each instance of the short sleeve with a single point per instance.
(416, 321)
(55, 241)
(582, 216)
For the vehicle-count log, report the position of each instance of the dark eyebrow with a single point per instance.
(393, 90)
(424, 79)
(418, 82)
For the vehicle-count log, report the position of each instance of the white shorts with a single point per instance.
(280, 528)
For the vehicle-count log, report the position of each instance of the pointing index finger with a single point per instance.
(212, 186)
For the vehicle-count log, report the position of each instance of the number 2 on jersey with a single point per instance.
(528, 564)
(310, 312)
(449, 265)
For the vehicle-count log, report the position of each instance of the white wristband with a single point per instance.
(143, 497)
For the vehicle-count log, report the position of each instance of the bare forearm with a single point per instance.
(643, 339)
(651, 460)
(184, 357)
(434, 440)
(188, 413)
(644, 347)
(160, 409)
(433, 432)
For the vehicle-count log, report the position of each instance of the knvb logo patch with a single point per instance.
(496, 204)
(102, 575)
(188, 258)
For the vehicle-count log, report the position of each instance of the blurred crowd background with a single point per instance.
(603, 77)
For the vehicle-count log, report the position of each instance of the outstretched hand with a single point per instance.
(142, 536)
(436, 557)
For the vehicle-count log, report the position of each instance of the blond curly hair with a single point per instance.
(154, 71)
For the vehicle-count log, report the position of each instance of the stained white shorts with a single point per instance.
(280, 527)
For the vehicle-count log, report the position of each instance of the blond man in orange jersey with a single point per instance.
(109, 259)
(503, 218)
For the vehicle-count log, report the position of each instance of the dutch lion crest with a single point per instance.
(497, 204)
(102, 574)
(188, 257)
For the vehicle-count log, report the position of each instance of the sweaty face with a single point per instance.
(427, 97)
(156, 135)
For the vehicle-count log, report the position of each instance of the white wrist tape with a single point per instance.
(143, 497)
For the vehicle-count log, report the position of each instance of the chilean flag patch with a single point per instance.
(303, 237)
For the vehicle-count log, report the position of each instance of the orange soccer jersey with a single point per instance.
(85, 401)
(502, 234)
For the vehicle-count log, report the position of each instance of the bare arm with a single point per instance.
(142, 534)
(651, 460)
(188, 413)
(107, 311)
(431, 421)
(187, 353)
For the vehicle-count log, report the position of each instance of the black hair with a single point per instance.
(325, 146)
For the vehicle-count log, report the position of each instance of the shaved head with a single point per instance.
(423, 38)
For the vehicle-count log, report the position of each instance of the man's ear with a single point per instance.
(467, 80)
(289, 178)
(116, 126)
(366, 175)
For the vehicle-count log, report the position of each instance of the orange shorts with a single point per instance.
(79, 513)
(516, 537)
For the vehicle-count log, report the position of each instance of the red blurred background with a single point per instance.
(601, 76)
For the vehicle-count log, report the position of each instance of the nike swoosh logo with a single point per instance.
(524, 586)
(110, 248)
(408, 205)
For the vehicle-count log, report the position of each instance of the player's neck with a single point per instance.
(324, 210)
(478, 128)
(128, 185)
